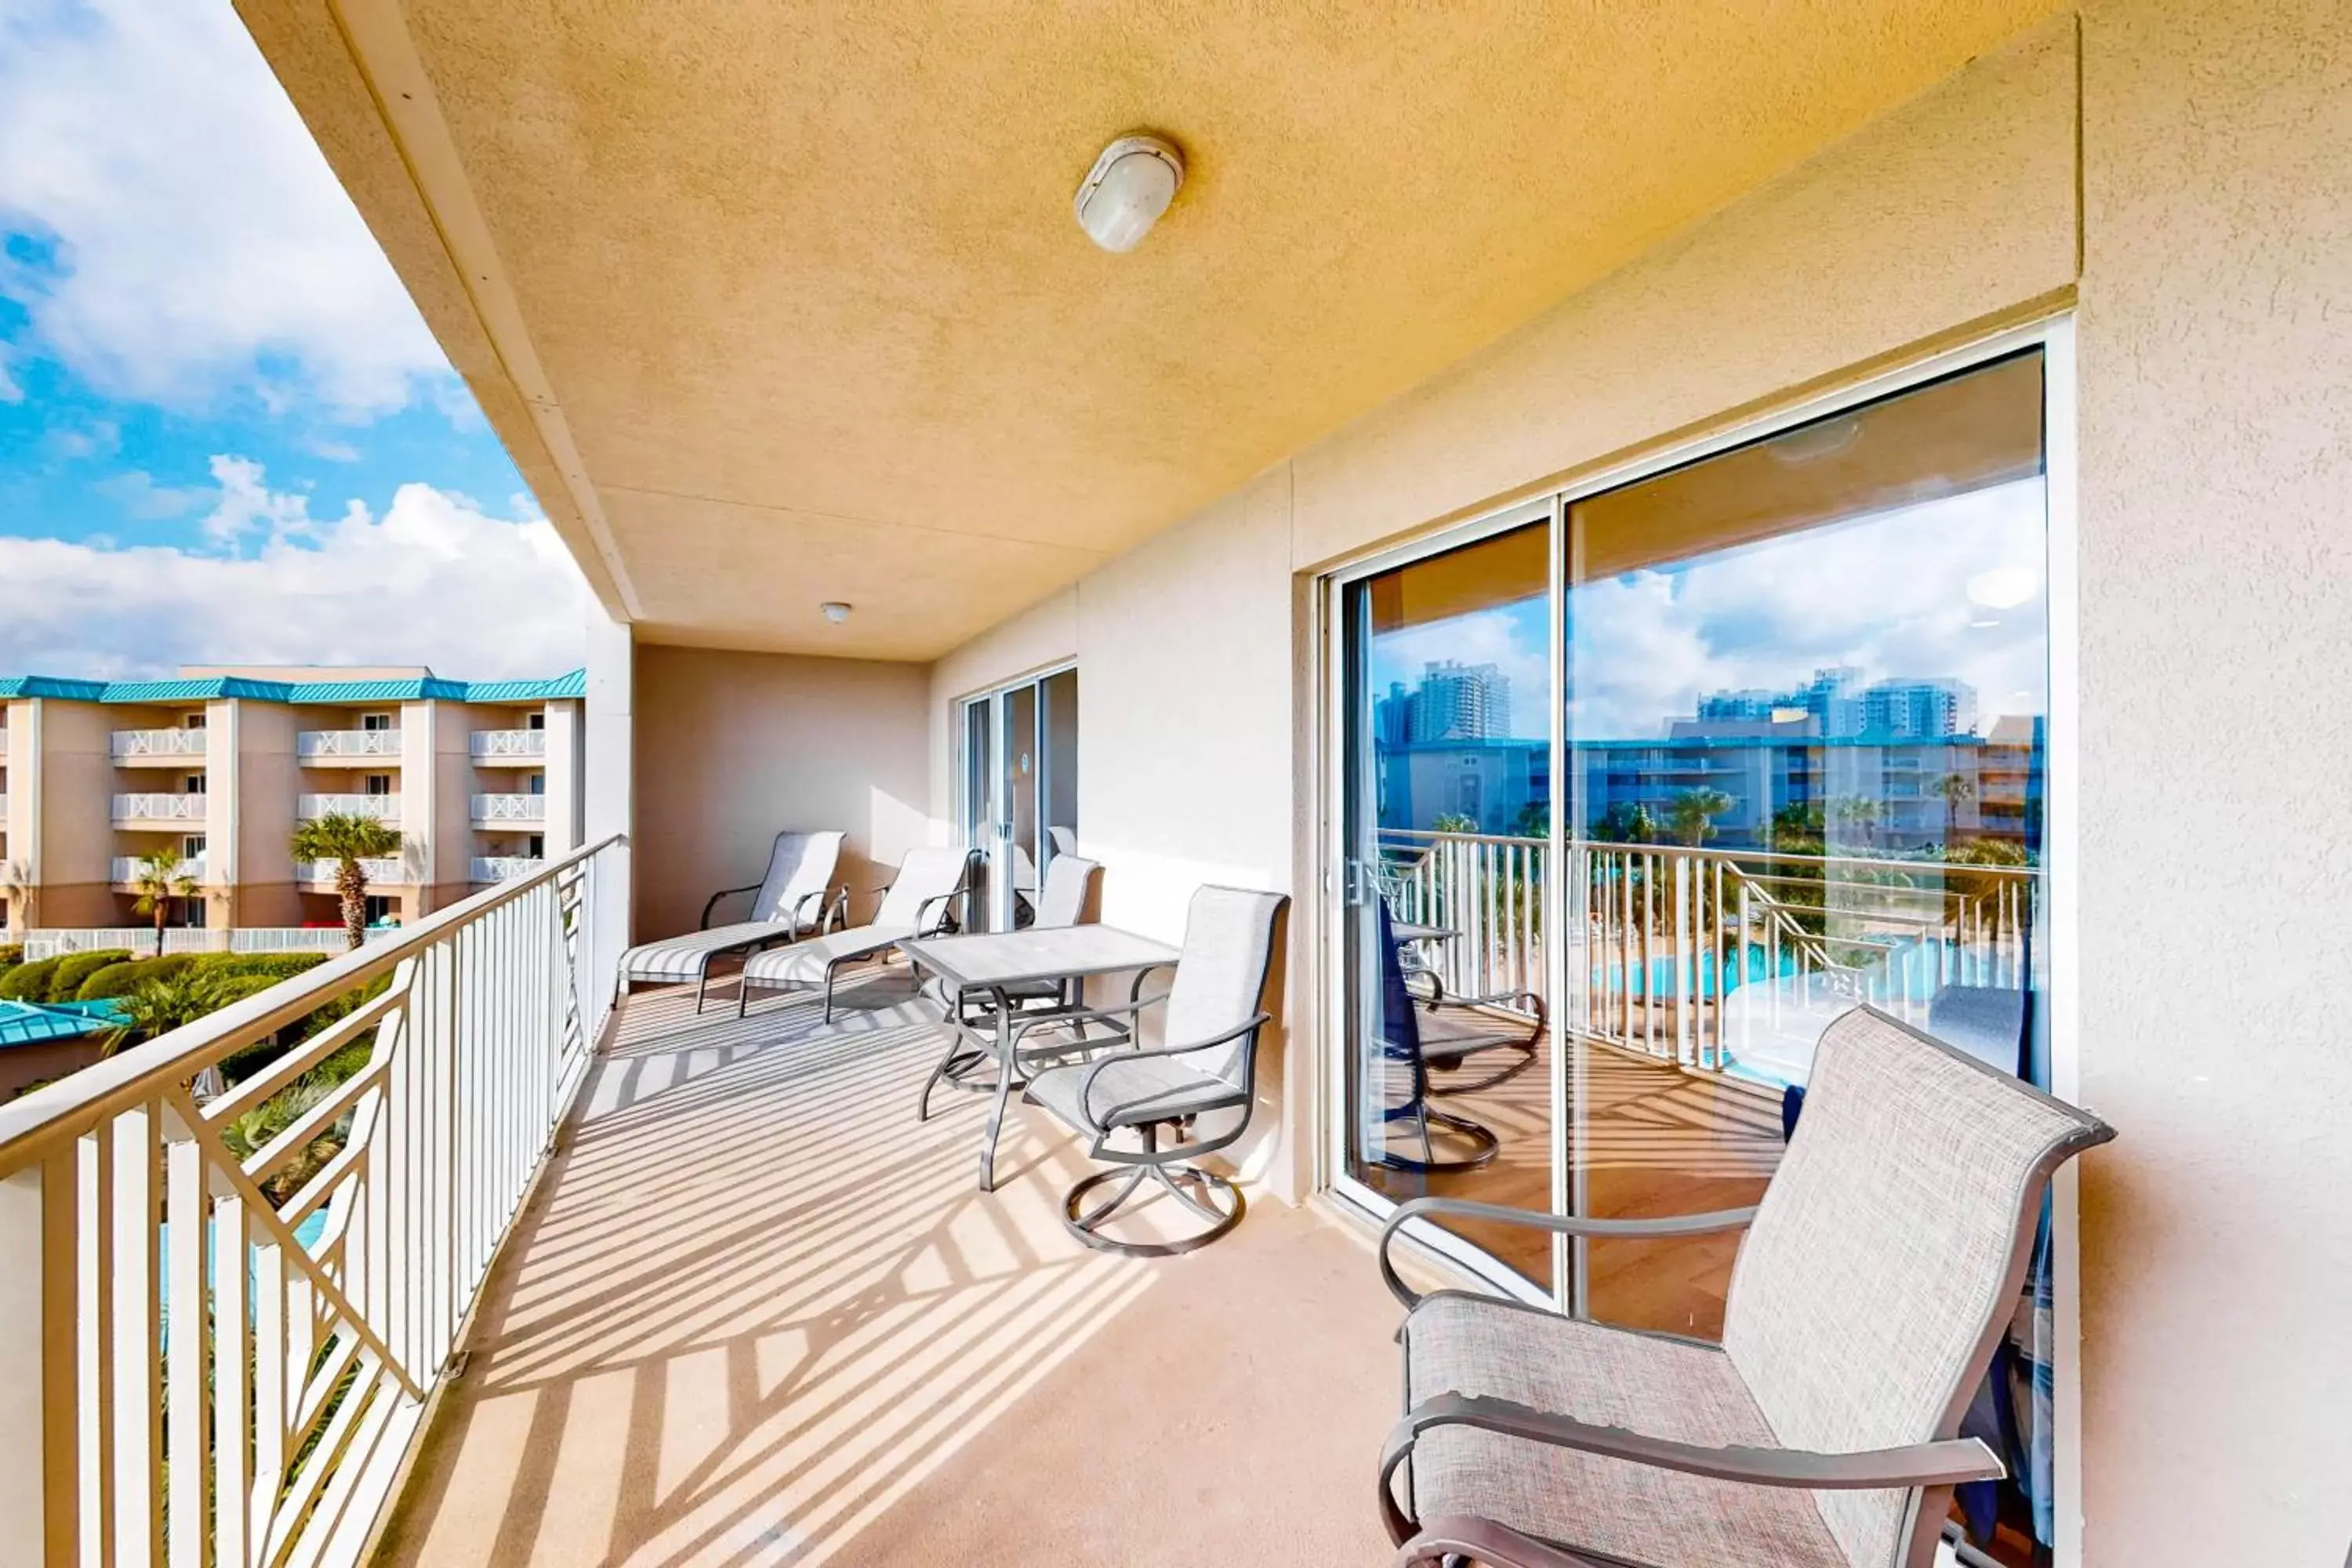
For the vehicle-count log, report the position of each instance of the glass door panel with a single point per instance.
(1020, 790)
(980, 811)
(1447, 759)
(1021, 780)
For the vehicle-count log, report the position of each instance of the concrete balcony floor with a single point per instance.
(756, 1314)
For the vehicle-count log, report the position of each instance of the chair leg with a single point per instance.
(701, 986)
(1086, 1223)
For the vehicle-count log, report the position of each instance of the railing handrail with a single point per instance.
(76, 1103)
(1722, 852)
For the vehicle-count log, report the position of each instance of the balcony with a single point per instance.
(127, 868)
(390, 872)
(507, 745)
(504, 867)
(502, 810)
(383, 807)
(329, 747)
(161, 748)
(133, 810)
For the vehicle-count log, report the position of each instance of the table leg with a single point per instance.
(1004, 1092)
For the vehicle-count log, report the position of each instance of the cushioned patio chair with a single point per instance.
(1876, 1277)
(797, 897)
(919, 901)
(1062, 901)
(1397, 1053)
(1474, 1027)
(1205, 1066)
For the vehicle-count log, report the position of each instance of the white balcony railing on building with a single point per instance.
(130, 868)
(505, 867)
(60, 941)
(164, 745)
(383, 807)
(273, 1322)
(1688, 953)
(489, 745)
(327, 744)
(157, 806)
(510, 808)
(391, 872)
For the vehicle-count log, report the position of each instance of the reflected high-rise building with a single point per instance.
(1456, 702)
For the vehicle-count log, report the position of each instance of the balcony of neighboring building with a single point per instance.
(127, 870)
(507, 748)
(372, 746)
(383, 807)
(391, 871)
(494, 811)
(162, 747)
(159, 808)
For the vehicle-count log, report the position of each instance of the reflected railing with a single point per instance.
(1709, 955)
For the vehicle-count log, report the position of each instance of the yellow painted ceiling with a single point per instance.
(801, 284)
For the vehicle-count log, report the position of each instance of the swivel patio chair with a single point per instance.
(919, 902)
(1876, 1279)
(797, 897)
(1478, 1025)
(1205, 1067)
(1394, 1050)
(1062, 901)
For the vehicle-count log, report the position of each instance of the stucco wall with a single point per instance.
(2215, 343)
(732, 748)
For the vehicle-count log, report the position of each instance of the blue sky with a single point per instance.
(224, 433)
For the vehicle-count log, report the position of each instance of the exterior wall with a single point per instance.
(733, 748)
(74, 830)
(2215, 350)
(265, 783)
(564, 778)
(449, 853)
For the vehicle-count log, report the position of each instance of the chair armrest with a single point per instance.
(924, 925)
(1086, 1088)
(722, 893)
(1563, 1224)
(1947, 1462)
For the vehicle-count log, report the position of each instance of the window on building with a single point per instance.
(537, 784)
(381, 910)
(377, 785)
(535, 846)
(375, 720)
(195, 721)
(536, 721)
(191, 847)
(193, 784)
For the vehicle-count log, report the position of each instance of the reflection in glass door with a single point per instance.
(1801, 694)
(1447, 809)
(1019, 792)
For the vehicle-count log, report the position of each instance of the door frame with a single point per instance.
(2053, 334)
(1000, 888)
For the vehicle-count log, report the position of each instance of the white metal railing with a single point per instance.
(58, 941)
(504, 867)
(327, 743)
(390, 871)
(130, 868)
(1687, 953)
(157, 806)
(383, 807)
(494, 744)
(127, 745)
(510, 808)
(271, 1312)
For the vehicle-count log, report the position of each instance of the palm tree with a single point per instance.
(347, 840)
(160, 1006)
(1693, 812)
(158, 879)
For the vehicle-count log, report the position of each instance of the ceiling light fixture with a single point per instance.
(1127, 190)
(834, 611)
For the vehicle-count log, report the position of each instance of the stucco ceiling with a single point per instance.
(780, 303)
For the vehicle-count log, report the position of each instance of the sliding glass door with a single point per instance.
(1639, 788)
(1019, 792)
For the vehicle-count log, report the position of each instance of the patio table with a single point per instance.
(995, 964)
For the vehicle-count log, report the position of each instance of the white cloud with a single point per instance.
(433, 581)
(331, 450)
(202, 245)
(137, 492)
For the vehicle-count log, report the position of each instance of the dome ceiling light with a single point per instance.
(1127, 190)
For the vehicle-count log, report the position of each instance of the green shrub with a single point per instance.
(65, 981)
(11, 954)
(28, 982)
(122, 979)
(276, 965)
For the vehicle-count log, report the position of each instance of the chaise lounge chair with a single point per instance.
(794, 899)
(1874, 1281)
(918, 904)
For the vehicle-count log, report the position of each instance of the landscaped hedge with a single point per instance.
(73, 968)
(11, 954)
(276, 966)
(121, 979)
(28, 982)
